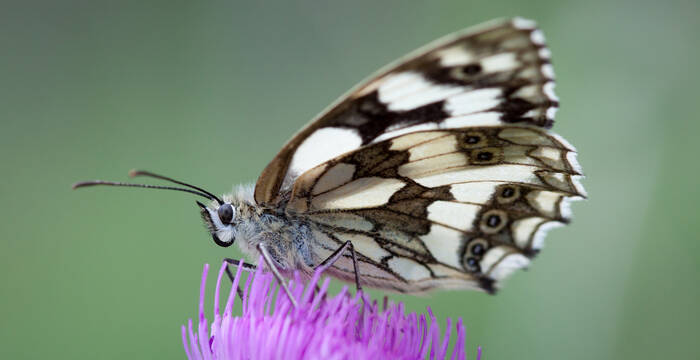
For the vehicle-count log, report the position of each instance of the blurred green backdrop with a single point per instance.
(208, 92)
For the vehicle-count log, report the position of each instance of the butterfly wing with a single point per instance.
(439, 169)
(454, 208)
(494, 74)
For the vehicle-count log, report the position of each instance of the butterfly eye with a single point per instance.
(225, 213)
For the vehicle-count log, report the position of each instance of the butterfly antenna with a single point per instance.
(134, 173)
(113, 183)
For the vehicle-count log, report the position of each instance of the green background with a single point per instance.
(208, 92)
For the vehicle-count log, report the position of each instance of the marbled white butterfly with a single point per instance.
(436, 172)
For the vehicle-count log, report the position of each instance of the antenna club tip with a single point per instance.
(134, 172)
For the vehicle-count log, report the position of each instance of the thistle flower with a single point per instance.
(321, 327)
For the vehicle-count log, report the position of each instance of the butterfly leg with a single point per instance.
(237, 263)
(271, 265)
(325, 264)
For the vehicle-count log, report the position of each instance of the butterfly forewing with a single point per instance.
(497, 73)
(439, 169)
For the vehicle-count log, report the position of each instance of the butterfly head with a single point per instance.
(220, 220)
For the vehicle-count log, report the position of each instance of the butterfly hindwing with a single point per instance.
(445, 208)
(496, 74)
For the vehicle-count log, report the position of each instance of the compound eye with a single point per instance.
(225, 213)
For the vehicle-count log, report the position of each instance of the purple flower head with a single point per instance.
(321, 327)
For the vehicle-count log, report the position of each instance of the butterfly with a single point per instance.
(438, 172)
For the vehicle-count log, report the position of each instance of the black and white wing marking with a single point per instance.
(495, 74)
(457, 208)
